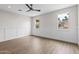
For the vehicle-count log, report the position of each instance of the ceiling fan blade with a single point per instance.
(36, 10)
(28, 6)
(31, 5)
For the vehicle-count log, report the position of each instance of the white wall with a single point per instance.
(78, 24)
(48, 25)
(13, 25)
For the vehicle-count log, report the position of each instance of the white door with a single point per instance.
(1, 33)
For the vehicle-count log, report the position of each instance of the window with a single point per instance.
(37, 24)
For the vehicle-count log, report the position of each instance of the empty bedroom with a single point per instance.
(39, 29)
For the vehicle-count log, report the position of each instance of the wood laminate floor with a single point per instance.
(37, 45)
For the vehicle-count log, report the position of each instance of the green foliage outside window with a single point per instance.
(37, 23)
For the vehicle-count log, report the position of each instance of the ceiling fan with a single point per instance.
(30, 6)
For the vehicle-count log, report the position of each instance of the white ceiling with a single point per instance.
(45, 8)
